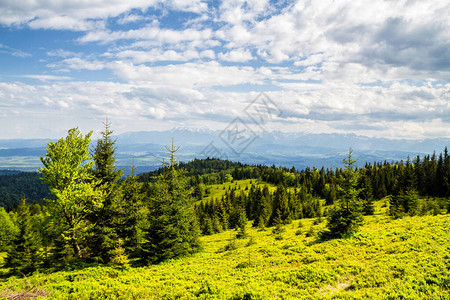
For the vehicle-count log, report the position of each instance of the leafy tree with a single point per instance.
(104, 236)
(173, 229)
(346, 217)
(68, 172)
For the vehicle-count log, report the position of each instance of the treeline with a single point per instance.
(198, 167)
(298, 193)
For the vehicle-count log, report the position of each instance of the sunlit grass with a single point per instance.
(406, 258)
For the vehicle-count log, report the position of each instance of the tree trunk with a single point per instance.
(75, 246)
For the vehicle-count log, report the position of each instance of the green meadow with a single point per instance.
(387, 258)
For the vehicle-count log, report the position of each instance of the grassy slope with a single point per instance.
(388, 258)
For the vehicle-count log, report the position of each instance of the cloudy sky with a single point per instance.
(374, 68)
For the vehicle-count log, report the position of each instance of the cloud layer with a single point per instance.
(376, 68)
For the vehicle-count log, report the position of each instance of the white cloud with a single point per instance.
(153, 33)
(76, 63)
(237, 55)
(155, 55)
(44, 78)
(78, 15)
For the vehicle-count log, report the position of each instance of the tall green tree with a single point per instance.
(132, 213)
(346, 216)
(173, 228)
(23, 256)
(281, 206)
(103, 238)
(68, 172)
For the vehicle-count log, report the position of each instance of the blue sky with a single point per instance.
(374, 68)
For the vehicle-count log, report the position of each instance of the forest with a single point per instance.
(93, 215)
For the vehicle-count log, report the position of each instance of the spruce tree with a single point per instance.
(366, 194)
(23, 255)
(173, 229)
(104, 233)
(346, 216)
(281, 206)
(7, 229)
(241, 223)
(131, 213)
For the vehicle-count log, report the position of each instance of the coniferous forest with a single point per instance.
(95, 218)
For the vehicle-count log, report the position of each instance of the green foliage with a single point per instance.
(405, 203)
(14, 187)
(7, 229)
(281, 209)
(173, 229)
(346, 217)
(104, 233)
(68, 171)
(119, 258)
(131, 215)
(24, 256)
(242, 224)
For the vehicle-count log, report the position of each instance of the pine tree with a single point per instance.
(281, 206)
(173, 229)
(23, 255)
(131, 214)
(241, 223)
(104, 233)
(366, 194)
(346, 217)
(7, 229)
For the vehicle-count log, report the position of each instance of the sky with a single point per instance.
(369, 67)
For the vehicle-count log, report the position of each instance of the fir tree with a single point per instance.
(132, 213)
(104, 233)
(23, 255)
(242, 223)
(346, 217)
(366, 194)
(173, 229)
(281, 206)
(7, 229)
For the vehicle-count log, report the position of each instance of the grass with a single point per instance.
(407, 258)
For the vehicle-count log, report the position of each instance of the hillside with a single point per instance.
(407, 258)
(16, 185)
(265, 233)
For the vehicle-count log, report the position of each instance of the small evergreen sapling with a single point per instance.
(346, 217)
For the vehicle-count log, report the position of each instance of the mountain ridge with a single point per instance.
(145, 149)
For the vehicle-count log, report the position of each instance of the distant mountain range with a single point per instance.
(146, 148)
